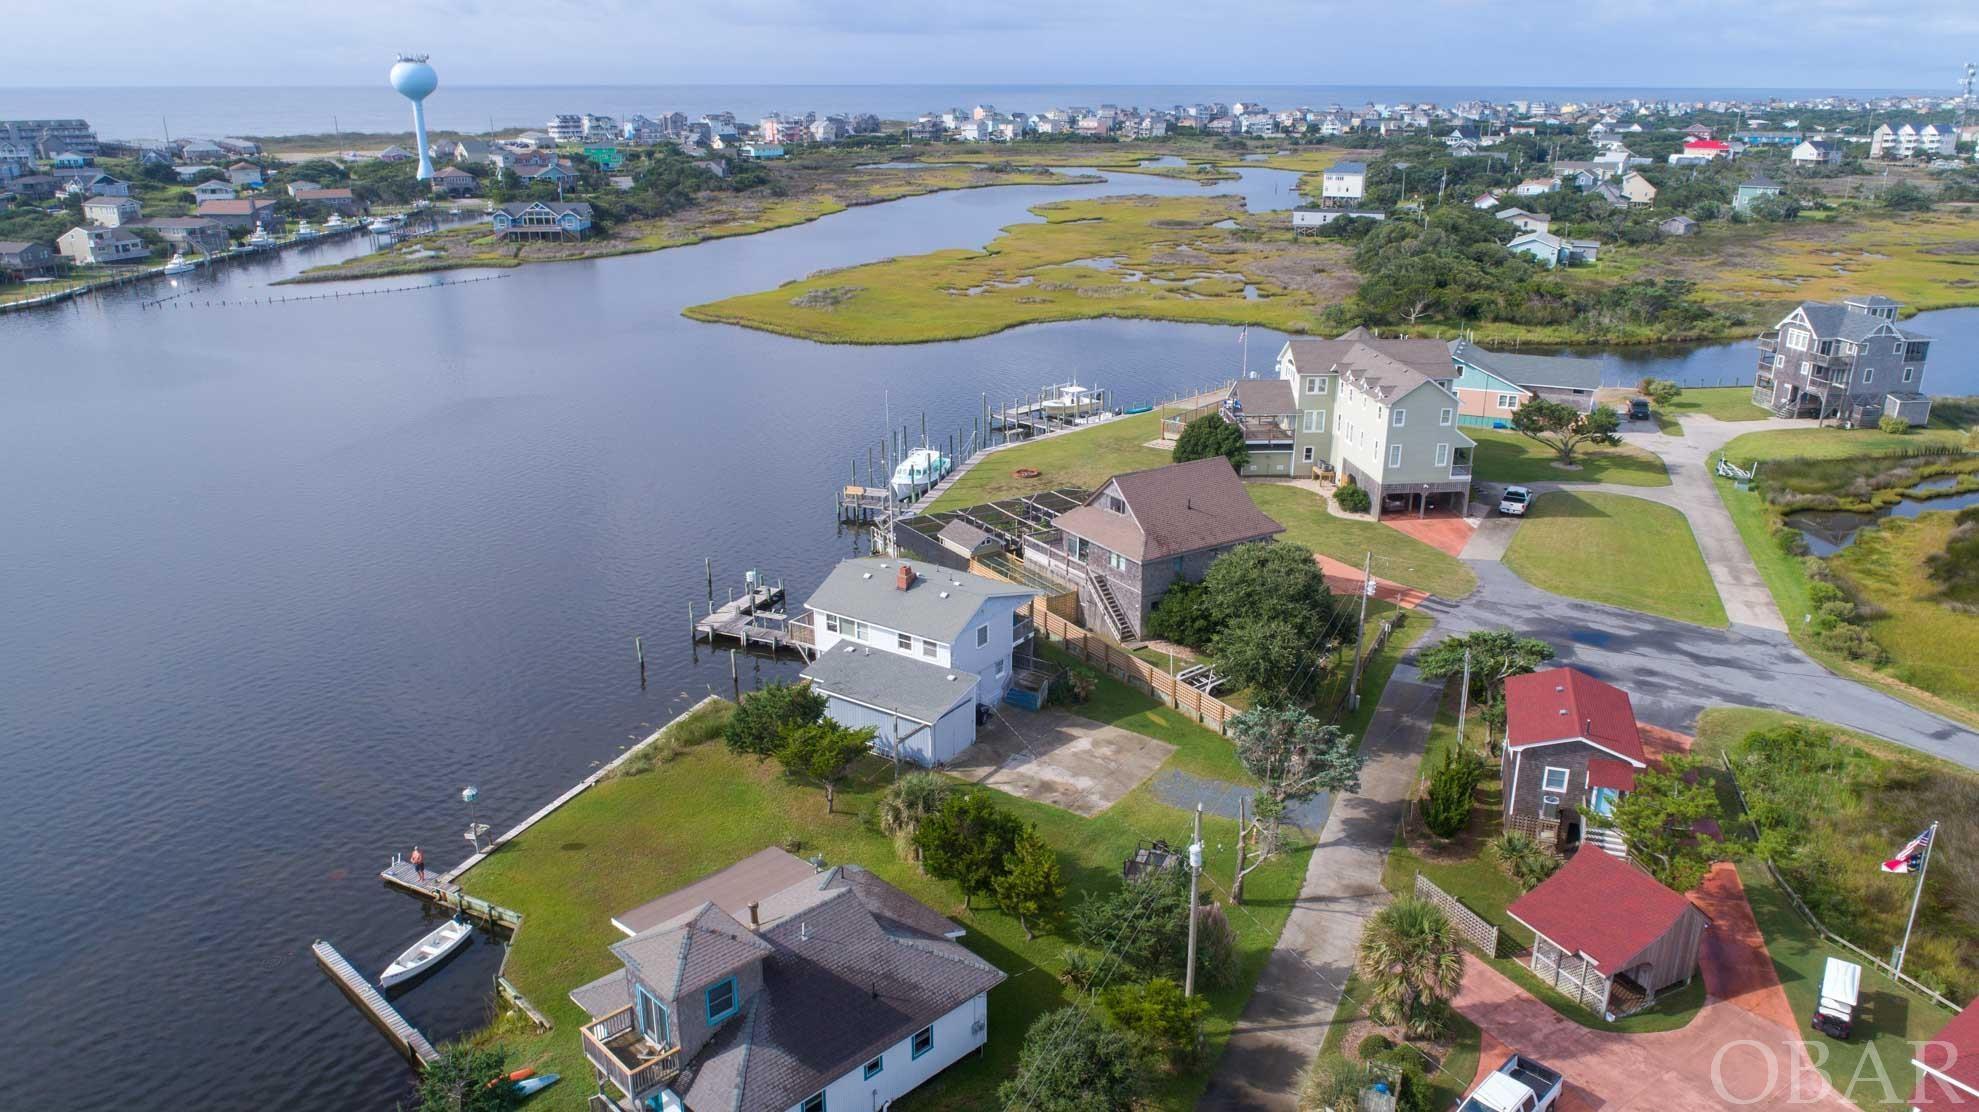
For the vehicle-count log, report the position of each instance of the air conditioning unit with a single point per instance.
(979, 1027)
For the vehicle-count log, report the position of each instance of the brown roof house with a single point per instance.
(336, 200)
(1608, 935)
(1144, 530)
(1571, 748)
(774, 985)
(243, 212)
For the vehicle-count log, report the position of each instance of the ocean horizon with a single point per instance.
(158, 111)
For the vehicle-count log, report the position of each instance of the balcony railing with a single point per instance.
(627, 1058)
(1267, 428)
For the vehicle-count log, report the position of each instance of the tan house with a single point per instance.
(92, 244)
(1638, 189)
(111, 212)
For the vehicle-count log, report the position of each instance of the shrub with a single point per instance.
(1071, 1061)
(1789, 540)
(1853, 642)
(1183, 616)
(1893, 424)
(1082, 967)
(1157, 1011)
(1211, 435)
(1374, 1046)
(1522, 858)
(1353, 499)
(1216, 947)
(1446, 807)
(1073, 686)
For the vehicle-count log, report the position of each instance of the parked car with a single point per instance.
(1841, 987)
(1514, 501)
(1519, 1084)
(1638, 409)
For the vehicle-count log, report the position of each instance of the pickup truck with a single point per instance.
(1518, 1085)
(1514, 501)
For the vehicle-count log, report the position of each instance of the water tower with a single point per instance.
(415, 81)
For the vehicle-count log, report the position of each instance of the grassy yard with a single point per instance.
(619, 845)
(1931, 645)
(1398, 557)
(1461, 868)
(1085, 458)
(1506, 457)
(1042, 272)
(1618, 550)
(1824, 444)
(1720, 403)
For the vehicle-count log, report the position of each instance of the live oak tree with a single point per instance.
(763, 717)
(1208, 436)
(1496, 655)
(1294, 757)
(825, 752)
(967, 841)
(1660, 820)
(1073, 1061)
(1565, 429)
(1031, 886)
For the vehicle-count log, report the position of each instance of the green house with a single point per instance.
(605, 158)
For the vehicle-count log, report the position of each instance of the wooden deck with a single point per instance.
(403, 1035)
(753, 621)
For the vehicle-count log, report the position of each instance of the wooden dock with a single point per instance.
(753, 621)
(862, 503)
(402, 1034)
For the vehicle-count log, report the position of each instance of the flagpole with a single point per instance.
(1917, 895)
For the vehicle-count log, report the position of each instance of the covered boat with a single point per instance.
(922, 469)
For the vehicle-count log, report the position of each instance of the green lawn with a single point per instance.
(1464, 871)
(625, 842)
(1722, 403)
(1085, 458)
(1837, 443)
(1618, 550)
(1398, 557)
(1506, 457)
(1931, 645)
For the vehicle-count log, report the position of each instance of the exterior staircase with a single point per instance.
(1605, 839)
(1116, 618)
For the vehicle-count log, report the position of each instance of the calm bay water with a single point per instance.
(281, 579)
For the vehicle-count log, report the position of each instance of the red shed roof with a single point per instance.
(1952, 1054)
(1566, 704)
(1606, 772)
(1603, 907)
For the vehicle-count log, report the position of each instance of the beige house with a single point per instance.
(111, 212)
(1637, 189)
(91, 244)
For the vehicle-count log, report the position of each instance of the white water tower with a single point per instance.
(415, 81)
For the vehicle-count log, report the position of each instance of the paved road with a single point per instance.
(1297, 994)
(1672, 670)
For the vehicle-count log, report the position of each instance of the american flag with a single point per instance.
(1911, 857)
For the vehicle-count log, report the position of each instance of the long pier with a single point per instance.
(397, 1030)
(753, 621)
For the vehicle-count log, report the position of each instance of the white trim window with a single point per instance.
(982, 635)
(1868, 375)
(1401, 418)
(1306, 454)
(1445, 416)
(1508, 401)
(1442, 455)
(1909, 373)
(1394, 455)
(1315, 420)
(1555, 779)
(1798, 339)
(1313, 386)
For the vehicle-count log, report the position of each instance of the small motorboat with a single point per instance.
(1066, 399)
(423, 954)
(260, 238)
(529, 1086)
(179, 264)
(922, 469)
(306, 230)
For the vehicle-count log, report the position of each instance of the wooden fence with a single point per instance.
(1474, 928)
(1814, 921)
(1092, 649)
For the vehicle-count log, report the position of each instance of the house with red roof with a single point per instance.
(1948, 1066)
(1708, 148)
(1571, 748)
(1609, 936)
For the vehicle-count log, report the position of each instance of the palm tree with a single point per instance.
(1411, 962)
(1521, 857)
(911, 799)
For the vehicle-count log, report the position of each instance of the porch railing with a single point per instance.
(632, 1079)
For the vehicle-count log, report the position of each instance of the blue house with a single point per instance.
(1753, 189)
(1554, 251)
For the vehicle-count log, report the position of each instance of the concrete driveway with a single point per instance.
(1059, 758)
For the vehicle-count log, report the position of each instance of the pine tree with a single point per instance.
(1031, 886)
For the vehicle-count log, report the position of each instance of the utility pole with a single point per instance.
(1360, 637)
(1916, 896)
(1195, 874)
(1464, 698)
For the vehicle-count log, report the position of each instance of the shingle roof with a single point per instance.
(937, 606)
(243, 206)
(1388, 368)
(1559, 371)
(732, 889)
(1180, 508)
(1831, 321)
(1561, 704)
(1265, 396)
(916, 689)
(1347, 168)
(1954, 1052)
(1604, 907)
(690, 951)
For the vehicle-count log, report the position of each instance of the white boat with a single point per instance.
(306, 230)
(922, 469)
(441, 941)
(336, 220)
(260, 238)
(180, 265)
(1068, 399)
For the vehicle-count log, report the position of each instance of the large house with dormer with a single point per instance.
(1847, 362)
(778, 985)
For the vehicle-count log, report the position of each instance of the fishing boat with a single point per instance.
(922, 469)
(179, 264)
(532, 1085)
(336, 220)
(260, 238)
(425, 953)
(1067, 399)
(306, 230)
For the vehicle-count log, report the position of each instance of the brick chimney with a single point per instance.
(905, 579)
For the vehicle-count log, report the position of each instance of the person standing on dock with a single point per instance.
(418, 860)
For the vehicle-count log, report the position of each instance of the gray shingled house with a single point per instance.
(774, 986)
(1847, 362)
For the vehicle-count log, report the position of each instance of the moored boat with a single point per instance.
(922, 469)
(179, 264)
(260, 238)
(306, 230)
(425, 953)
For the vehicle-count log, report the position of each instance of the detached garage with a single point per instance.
(922, 712)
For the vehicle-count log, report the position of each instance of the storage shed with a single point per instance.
(1608, 935)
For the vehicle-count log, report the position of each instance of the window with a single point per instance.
(905, 641)
(1507, 401)
(1312, 385)
(982, 635)
(1315, 420)
(874, 1067)
(1555, 779)
(1338, 420)
(1401, 418)
(999, 666)
(1442, 454)
(1909, 373)
(924, 1041)
(1444, 416)
(1116, 561)
(813, 1103)
(1797, 339)
(1117, 505)
(1306, 452)
(1868, 374)
(653, 1018)
(1394, 455)
(859, 630)
(1178, 562)
(721, 1000)
(831, 623)
(927, 647)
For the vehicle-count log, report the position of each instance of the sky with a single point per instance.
(1842, 44)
